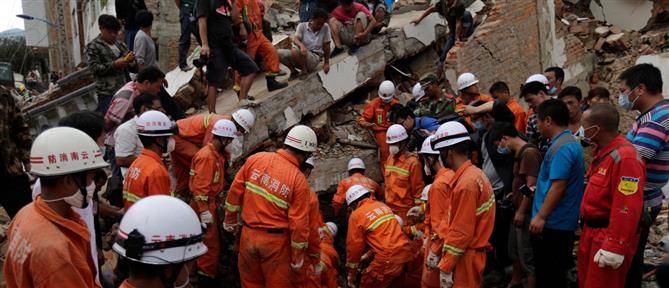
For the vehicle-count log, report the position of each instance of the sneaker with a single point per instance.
(354, 48)
(336, 51)
(247, 103)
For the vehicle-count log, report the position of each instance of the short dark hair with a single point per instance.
(100, 174)
(345, 2)
(559, 72)
(533, 87)
(141, 270)
(502, 129)
(645, 74)
(555, 109)
(146, 140)
(151, 73)
(571, 91)
(501, 113)
(91, 123)
(109, 22)
(143, 100)
(461, 148)
(319, 13)
(398, 111)
(144, 18)
(599, 92)
(499, 87)
(605, 116)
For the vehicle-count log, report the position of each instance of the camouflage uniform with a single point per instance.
(100, 59)
(439, 108)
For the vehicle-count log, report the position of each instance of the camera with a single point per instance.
(200, 62)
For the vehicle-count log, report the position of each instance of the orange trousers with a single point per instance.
(256, 44)
(469, 269)
(589, 273)
(430, 277)
(384, 151)
(207, 264)
(264, 260)
(415, 268)
(181, 161)
(383, 273)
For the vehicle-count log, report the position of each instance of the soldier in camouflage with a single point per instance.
(434, 103)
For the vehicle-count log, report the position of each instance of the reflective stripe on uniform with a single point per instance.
(192, 172)
(315, 255)
(351, 265)
(206, 120)
(486, 205)
(453, 250)
(200, 198)
(130, 197)
(413, 230)
(263, 193)
(299, 245)
(232, 208)
(397, 170)
(379, 221)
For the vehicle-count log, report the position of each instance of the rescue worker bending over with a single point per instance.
(160, 237)
(374, 117)
(206, 182)
(372, 224)
(402, 177)
(612, 202)
(329, 256)
(148, 174)
(315, 266)
(48, 241)
(271, 197)
(356, 175)
(471, 212)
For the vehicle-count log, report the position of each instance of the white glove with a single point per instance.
(297, 266)
(445, 279)
(433, 260)
(415, 211)
(206, 217)
(318, 268)
(230, 228)
(350, 280)
(418, 234)
(605, 258)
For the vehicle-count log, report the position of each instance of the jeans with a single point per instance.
(635, 274)
(130, 38)
(552, 257)
(306, 8)
(468, 29)
(188, 26)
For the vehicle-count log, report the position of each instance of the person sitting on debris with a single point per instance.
(373, 225)
(571, 96)
(311, 43)
(145, 48)
(159, 238)
(382, 11)
(374, 117)
(430, 99)
(598, 95)
(215, 23)
(351, 25)
(356, 172)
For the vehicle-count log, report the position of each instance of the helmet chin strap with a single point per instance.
(82, 188)
(168, 282)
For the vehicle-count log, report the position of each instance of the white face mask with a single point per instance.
(394, 149)
(185, 283)
(75, 200)
(171, 145)
(441, 162)
(90, 190)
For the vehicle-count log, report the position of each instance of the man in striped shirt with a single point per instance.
(641, 89)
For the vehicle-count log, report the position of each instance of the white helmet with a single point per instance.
(386, 91)
(399, 220)
(356, 163)
(426, 192)
(301, 138)
(245, 118)
(332, 228)
(64, 150)
(418, 92)
(427, 146)
(159, 230)
(465, 80)
(537, 78)
(396, 133)
(355, 192)
(155, 124)
(449, 134)
(225, 128)
(310, 161)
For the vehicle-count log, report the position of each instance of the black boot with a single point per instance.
(272, 84)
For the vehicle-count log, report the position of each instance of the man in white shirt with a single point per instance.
(128, 146)
(311, 43)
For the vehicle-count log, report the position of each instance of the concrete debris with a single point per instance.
(602, 31)
(629, 15)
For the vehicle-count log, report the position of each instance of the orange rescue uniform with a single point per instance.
(470, 220)
(274, 195)
(206, 183)
(194, 133)
(403, 178)
(146, 176)
(611, 209)
(375, 112)
(126, 284)
(437, 209)
(518, 111)
(314, 248)
(330, 259)
(48, 250)
(257, 43)
(356, 179)
(373, 224)
(460, 104)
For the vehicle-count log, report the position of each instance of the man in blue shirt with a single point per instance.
(417, 127)
(557, 196)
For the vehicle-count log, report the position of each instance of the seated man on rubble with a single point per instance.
(382, 10)
(351, 24)
(311, 43)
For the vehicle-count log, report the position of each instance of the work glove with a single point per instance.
(297, 265)
(445, 279)
(416, 211)
(206, 217)
(605, 258)
(350, 280)
(418, 234)
(230, 228)
(318, 268)
(433, 260)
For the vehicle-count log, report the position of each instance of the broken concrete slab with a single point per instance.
(328, 172)
(661, 61)
(628, 15)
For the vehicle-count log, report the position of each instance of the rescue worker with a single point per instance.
(274, 195)
(48, 241)
(195, 133)
(148, 174)
(160, 237)
(612, 202)
(471, 212)
(469, 93)
(402, 177)
(250, 30)
(373, 225)
(206, 182)
(329, 256)
(315, 266)
(356, 175)
(374, 118)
